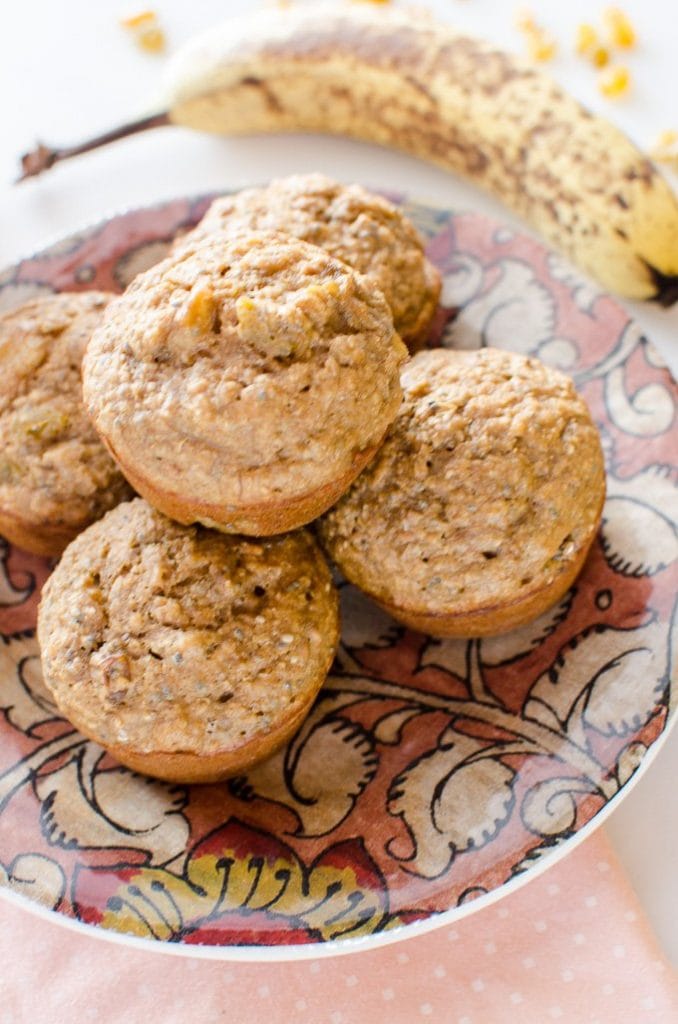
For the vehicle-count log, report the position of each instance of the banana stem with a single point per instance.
(43, 157)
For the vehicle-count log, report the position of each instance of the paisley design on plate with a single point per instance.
(429, 772)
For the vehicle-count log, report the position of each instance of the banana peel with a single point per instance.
(442, 96)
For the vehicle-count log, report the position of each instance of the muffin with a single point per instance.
(364, 230)
(244, 383)
(479, 510)
(55, 475)
(188, 654)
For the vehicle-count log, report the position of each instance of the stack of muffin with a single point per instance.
(254, 382)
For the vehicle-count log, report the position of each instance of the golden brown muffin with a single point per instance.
(479, 510)
(245, 383)
(187, 654)
(55, 475)
(364, 230)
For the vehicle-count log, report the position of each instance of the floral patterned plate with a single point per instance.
(431, 776)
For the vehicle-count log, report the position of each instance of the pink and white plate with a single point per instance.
(431, 775)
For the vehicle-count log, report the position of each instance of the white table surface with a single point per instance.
(67, 70)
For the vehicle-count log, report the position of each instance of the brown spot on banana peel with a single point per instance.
(643, 172)
(267, 93)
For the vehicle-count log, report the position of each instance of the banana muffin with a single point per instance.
(55, 475)
(479, 510)
(186, 653)
(364, 230)
(244, 383)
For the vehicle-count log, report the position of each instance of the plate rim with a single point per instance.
(289, 952)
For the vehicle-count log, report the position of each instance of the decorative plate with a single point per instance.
(432, 775)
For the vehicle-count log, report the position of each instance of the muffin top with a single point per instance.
(246, 369)
(354, 225)
(160, 637)
(53, 468)
(490, 478)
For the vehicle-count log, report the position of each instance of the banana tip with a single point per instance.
(667, 287)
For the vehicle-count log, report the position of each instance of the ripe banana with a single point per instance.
(448, 98)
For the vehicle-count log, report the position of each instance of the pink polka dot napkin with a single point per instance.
(571, 946)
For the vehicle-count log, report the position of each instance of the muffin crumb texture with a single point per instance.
(162, 638)
(242, 373)
(490, 483)
(362, 229)
(55, 474)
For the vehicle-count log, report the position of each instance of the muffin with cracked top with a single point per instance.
(244, 383)
(478, 512)
(363, 229)
(188, 654)
(56, 477)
